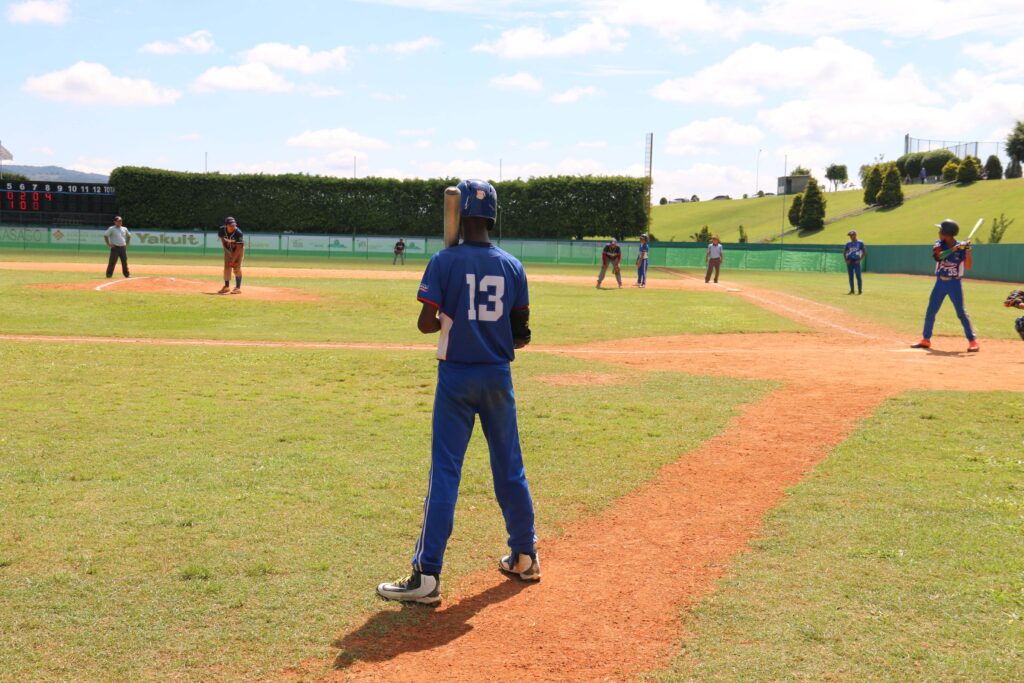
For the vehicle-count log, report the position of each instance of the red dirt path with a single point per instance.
(608, 606)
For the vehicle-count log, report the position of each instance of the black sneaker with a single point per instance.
(522, 565)
(422, 588)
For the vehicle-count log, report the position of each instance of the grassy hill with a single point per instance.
(910, 224)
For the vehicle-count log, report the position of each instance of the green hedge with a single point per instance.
(556, 207)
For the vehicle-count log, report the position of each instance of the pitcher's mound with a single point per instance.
(177, 285)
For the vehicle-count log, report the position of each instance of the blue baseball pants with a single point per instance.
(955, 291)
(852, 268)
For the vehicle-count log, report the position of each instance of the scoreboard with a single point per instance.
(43, 201)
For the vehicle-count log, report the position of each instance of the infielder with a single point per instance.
(641, 263)
(951, 259)
(610, 255)
(233, 241)
(854, 253)
(476, 296)
(399, 251)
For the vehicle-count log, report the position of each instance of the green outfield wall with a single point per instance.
(1003, 262)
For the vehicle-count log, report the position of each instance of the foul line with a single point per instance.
(114, 282)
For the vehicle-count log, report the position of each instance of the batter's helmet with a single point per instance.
(949, 227)
(479, 198)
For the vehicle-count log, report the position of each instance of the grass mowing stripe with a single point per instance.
(203, 514)
(359, 311)
(901, 557)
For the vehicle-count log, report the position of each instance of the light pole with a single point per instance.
(757, 174)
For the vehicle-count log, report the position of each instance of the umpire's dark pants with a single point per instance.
(115, 254)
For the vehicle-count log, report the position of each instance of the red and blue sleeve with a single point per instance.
(430, 287)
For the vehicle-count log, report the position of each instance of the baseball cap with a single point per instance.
(229, 221)
(852, 232)
(611, 241)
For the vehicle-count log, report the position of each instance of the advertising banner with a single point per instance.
(25, 236)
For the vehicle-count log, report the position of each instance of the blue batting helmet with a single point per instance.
(479, 198)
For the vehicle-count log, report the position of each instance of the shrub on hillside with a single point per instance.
(935, 160)
(999, 226)
(703, 235)
(872, 185)
(950, 170)
(993, 168)
(969, 171)
(812, 210)
(890, 195)
(910, 164)
(794, 210)
(1013, 170)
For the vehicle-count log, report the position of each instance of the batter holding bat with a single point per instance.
(233, 242)
(476, 296)
(952, 258)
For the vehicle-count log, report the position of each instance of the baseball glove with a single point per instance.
(1015, 299)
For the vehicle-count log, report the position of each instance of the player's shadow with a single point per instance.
(415, 628)
(938, 352)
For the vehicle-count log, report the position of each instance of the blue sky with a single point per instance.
(427, 88)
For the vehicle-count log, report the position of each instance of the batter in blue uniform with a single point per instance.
(641, 262)
(476, 296)
(951, 259)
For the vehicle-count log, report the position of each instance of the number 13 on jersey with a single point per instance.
(492, 289)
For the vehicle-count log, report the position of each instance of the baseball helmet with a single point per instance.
(479, 198)
(948, 227)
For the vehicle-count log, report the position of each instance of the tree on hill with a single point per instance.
(800, 170)
(1015, 142)
(743, 235)
(910, 164)
(890, 194)
(950, 170)
(663, 201)
(703, 235)
(812, 210)
(1013, 170)
(935, 160)
(969, 171)
(794, 211)
(14, 176)
(694, 198)
(999, 226)
(872, 185)
(837, 174)
(993, 168)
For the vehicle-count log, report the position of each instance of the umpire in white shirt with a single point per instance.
(713, 258)
(117, 238)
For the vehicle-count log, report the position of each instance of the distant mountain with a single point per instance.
(55, 174)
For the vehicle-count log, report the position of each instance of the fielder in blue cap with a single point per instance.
(476, 296)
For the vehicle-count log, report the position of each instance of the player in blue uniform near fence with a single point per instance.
(951, 259)
(854, 253)
(476, 296)
(641, 262)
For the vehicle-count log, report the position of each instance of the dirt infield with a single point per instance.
(176, 285)
(609, 605)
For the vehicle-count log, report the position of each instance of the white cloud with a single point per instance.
(297, 57)
(580, 167)
(518, 81)
(674, 17)
(196, 43)
(335, 138)
(314, 90)
(90, 83)
(698, 136)
(38, 11)
(411, 46)
(43, 151)
(252, 77)
(528, 42)
(94, 165)
(592, 144)
(574, 95)
(466, 145)
(422, 144)
(1007, 59)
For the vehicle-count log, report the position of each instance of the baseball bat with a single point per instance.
(976, 226)
(452, 214)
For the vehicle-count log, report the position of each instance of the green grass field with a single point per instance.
(356, 311)
(900, 558)
(213, 514)
(895, 301)
(912, 223)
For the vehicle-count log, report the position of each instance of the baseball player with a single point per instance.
(233, 241)
(399, 251)
(854, 253)
(475, 295)
(951, 259)
(641, 263)
(611, 255)
(1016, 300)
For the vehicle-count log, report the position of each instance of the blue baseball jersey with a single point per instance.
(854, 250)
(475, 286)
(644, 248)
(952, 265)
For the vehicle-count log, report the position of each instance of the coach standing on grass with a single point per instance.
(117, 238)
(713, 259)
